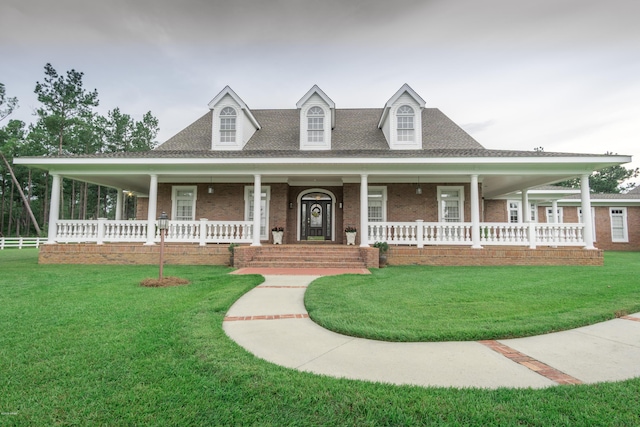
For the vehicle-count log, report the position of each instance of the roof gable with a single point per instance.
(228, 91)
(404, 89)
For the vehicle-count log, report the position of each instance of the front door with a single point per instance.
(315, 217)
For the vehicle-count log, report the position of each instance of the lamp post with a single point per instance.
(163, 224)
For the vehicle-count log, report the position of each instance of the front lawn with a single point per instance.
(85, 345)
(473, 303)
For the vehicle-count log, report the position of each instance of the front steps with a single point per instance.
(305, 256)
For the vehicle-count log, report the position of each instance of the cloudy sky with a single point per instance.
(558, 74)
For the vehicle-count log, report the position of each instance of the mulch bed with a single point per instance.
(165, 282)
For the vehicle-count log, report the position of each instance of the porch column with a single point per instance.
(257, 198)
(475, 214)
(54, 209)
(119, 204)
(151, 211)
(526, 209)
(364, 211)
(586, 212)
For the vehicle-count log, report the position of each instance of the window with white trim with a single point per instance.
(513, 211)
(593, 221)
(619, 232)
(183, 203)
(405, 115)
(549, 211)
(264, 208)
(228, 125)
(315, 124)
(533, 212)
(451, 204)
(377, 204)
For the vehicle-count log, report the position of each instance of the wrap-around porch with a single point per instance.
(475, 233)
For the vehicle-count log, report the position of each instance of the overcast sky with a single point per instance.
(558, 74)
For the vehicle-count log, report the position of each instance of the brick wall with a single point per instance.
(603, 229)
(495, 211)
(137, 254)
(452, 256)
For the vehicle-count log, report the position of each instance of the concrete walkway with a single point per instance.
(271, 322)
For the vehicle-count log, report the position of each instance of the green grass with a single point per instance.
(473, 303)
(85, 345)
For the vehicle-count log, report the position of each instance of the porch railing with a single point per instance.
(416, 233)
(109, 231)
(419, 233)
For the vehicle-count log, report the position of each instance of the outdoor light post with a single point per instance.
(163, 225)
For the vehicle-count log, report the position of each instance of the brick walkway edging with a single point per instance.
(529, 362)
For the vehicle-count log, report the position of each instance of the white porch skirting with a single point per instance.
(415, 233)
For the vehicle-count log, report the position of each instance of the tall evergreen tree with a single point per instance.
(65, 104)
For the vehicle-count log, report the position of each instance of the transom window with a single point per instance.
(559, 215)
(184, 203)
(619, 232)
(377, 204)
(405, 117)
(315, 124)
(451, 203)
(514, 211)
(228, 125)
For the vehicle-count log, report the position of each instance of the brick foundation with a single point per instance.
(184, 254)
(120, 254)
(452, 256)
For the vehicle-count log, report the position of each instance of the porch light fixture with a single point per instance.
(419, 189)
(290, 205)
(210, 189)
(163, 224)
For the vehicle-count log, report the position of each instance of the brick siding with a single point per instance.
(136, 254)
(462, 256)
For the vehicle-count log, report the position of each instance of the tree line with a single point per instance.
(65, 123)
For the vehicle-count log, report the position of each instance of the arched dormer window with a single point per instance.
(315, 124)
(405, 122)
(228, 125)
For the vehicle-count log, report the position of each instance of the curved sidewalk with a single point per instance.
(271, 322)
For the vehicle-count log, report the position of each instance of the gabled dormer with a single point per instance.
(317, 119)
(401, 120)
(232, 122)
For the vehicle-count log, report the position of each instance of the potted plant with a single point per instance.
(383, 247)
(277, 233)
(351, 235)
(232, 250)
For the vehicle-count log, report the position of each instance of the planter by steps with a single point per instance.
(277, 234)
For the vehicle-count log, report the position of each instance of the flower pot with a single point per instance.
(351, 238)
(277, 237)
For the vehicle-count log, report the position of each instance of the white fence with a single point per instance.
(420, 233)
(21, 242)
(202, 232)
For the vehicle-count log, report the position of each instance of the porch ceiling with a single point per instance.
(499, 175)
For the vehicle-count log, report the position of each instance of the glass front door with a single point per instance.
(315, 217)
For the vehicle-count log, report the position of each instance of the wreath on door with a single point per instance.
(315, 212)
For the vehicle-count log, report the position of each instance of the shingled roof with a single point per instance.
(355, 130)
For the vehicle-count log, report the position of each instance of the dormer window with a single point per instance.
(228, 125)
(315, 125)
(405, 117)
